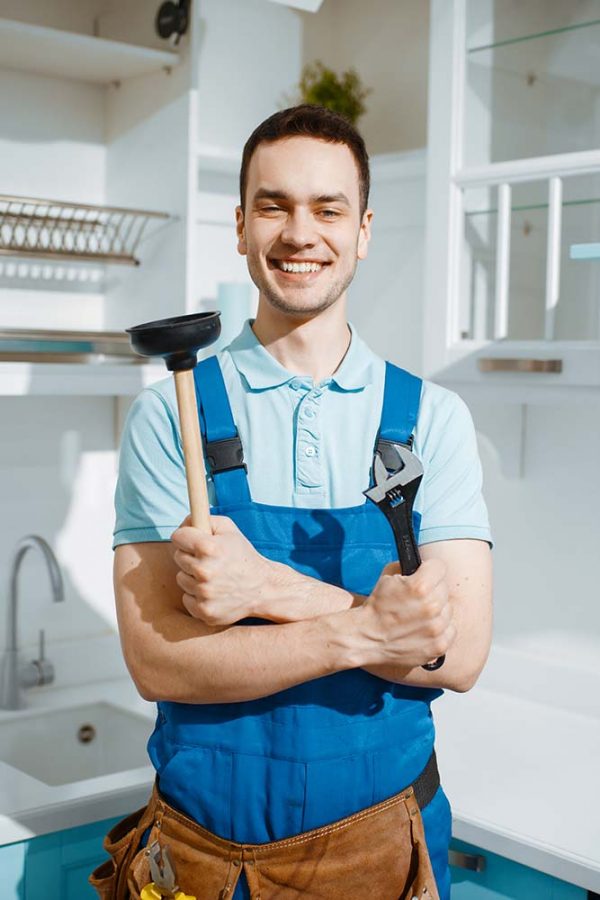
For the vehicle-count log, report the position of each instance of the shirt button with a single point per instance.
(309, 413)
(295, 384)
(310, 451)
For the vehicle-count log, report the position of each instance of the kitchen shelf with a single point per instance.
(65, 54)
(538, 35)
(558, 56)
(528, 207)
(18, 379)
(54, 229)
(48, 345)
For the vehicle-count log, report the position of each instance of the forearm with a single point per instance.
(187, 663)
(294, 597)
(299, 597)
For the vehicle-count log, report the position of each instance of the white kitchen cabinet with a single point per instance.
(513, 185)
(96, 109)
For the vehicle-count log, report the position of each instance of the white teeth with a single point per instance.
(299, 267)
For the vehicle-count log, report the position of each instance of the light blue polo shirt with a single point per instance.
(305, 444)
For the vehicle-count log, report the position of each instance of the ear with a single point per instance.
(240, 231)
(364, 235)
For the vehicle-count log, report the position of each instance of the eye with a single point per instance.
(329, 213)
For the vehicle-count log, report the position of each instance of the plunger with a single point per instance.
(177, 340)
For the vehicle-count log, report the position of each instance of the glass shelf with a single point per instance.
(532, 81)
(578, 311)
(533, 37)
(525, 207)
(499, 22)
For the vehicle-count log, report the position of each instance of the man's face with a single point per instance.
(302, 231)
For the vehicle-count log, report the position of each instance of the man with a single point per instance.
(294, 739)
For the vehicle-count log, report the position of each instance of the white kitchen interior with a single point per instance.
(483, 275)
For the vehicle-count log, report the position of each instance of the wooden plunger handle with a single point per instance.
(192, 450)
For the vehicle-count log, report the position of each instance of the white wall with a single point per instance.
(250, 55)
(57, 472)
(386, 41)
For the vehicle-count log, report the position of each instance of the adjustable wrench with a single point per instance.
(395, 494)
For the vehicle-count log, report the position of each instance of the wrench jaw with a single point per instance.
(398, 487)
(395, 494)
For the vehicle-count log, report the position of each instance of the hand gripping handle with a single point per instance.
(399, 515)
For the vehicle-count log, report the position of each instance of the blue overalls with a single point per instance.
(263, 770)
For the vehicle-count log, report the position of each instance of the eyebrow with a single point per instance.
(266, 194)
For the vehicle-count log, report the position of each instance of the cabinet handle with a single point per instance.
(504, 364)
(466, 861)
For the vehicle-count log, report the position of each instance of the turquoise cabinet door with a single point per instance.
(12, 866)
(503, 879)
(57, 866)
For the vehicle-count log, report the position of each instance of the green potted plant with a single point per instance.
(343, 94)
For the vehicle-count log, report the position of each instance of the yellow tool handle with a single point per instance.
(152, 892)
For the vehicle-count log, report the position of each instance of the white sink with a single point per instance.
(67, 745)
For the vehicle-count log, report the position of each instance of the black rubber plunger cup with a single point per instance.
(177, 341)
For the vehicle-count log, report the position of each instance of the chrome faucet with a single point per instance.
(14, 675)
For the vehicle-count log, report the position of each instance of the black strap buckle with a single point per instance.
(388, 453)
(225, 455)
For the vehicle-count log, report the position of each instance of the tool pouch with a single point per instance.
(121, 843)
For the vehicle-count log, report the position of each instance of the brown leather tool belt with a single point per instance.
(378, 853)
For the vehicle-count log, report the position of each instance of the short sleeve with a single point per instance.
(451, 500)
(151, 495)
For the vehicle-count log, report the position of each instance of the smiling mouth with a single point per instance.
(297, 267)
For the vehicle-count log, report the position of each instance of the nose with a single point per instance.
(299, 229)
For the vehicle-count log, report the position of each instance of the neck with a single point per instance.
(314, 346)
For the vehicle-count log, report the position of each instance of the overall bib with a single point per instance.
(267, 769)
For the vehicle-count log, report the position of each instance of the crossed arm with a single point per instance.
(178, 604)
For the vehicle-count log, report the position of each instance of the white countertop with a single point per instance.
(522, 776)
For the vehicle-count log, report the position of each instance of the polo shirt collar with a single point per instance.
(261, 370)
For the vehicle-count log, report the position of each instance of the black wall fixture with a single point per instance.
(172, 19)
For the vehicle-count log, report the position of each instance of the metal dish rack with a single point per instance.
(51, 229)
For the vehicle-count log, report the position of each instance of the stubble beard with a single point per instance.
(313, 305)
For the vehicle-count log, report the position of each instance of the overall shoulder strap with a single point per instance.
(400, 409)
(222, 444)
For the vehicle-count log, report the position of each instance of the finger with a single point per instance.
(191, 564)
(427, 583)
(392, 568)
(193, 541)
(186, 583)
(191, 605)
(222, 525)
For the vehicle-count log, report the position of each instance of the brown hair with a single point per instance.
(318, 122)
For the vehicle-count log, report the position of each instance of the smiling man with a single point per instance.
(294, 744)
